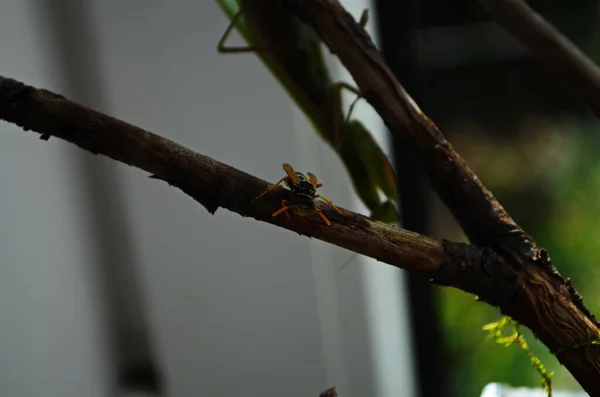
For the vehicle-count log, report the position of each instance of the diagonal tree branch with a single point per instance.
(214, 184)
(544, 300)
(551, 48)
(481, 216)
(510, 271)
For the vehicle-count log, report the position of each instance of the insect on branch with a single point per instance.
(542, 301)
(214, 184)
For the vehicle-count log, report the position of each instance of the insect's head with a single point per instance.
(303, 186)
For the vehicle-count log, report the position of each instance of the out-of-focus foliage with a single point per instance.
(301, 69)
(549, 180)
(295, 58)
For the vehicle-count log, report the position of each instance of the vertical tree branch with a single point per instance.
(544, 301)
(551, 48)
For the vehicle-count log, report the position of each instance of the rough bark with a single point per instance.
(543, 301)
(504, 267)
(213, 184)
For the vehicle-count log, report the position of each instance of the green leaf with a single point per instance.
(386, 212)
(230, 7)
(359, 175)
(295, 58)
(378, 165)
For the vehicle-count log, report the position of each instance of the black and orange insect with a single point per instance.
(303, 193)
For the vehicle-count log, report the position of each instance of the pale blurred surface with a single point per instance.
(500, 390)
(232, 307)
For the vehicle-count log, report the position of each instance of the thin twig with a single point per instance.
(551, 48)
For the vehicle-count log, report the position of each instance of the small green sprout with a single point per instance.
(495, 330)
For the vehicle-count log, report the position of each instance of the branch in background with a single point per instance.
(479, 213)
(551, 48)
(214, 184)
(544, 301)
(512, 273)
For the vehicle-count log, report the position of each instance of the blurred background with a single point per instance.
(112, 283)
(529, 140)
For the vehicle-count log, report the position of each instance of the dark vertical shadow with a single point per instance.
(397, 20)
(133, 358)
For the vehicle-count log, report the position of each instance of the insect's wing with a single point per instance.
(312, 179)
(291, 173)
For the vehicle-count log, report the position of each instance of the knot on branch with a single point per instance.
(478, 270)
(523, 252)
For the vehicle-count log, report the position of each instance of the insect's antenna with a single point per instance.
(347, 262)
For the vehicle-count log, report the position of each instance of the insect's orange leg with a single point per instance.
(324, 218)
(275, 186)
(279, 211)
(287, 214)
(329, 202)
(284, 208)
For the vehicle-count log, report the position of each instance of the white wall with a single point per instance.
(50, 333)
(237, 307)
